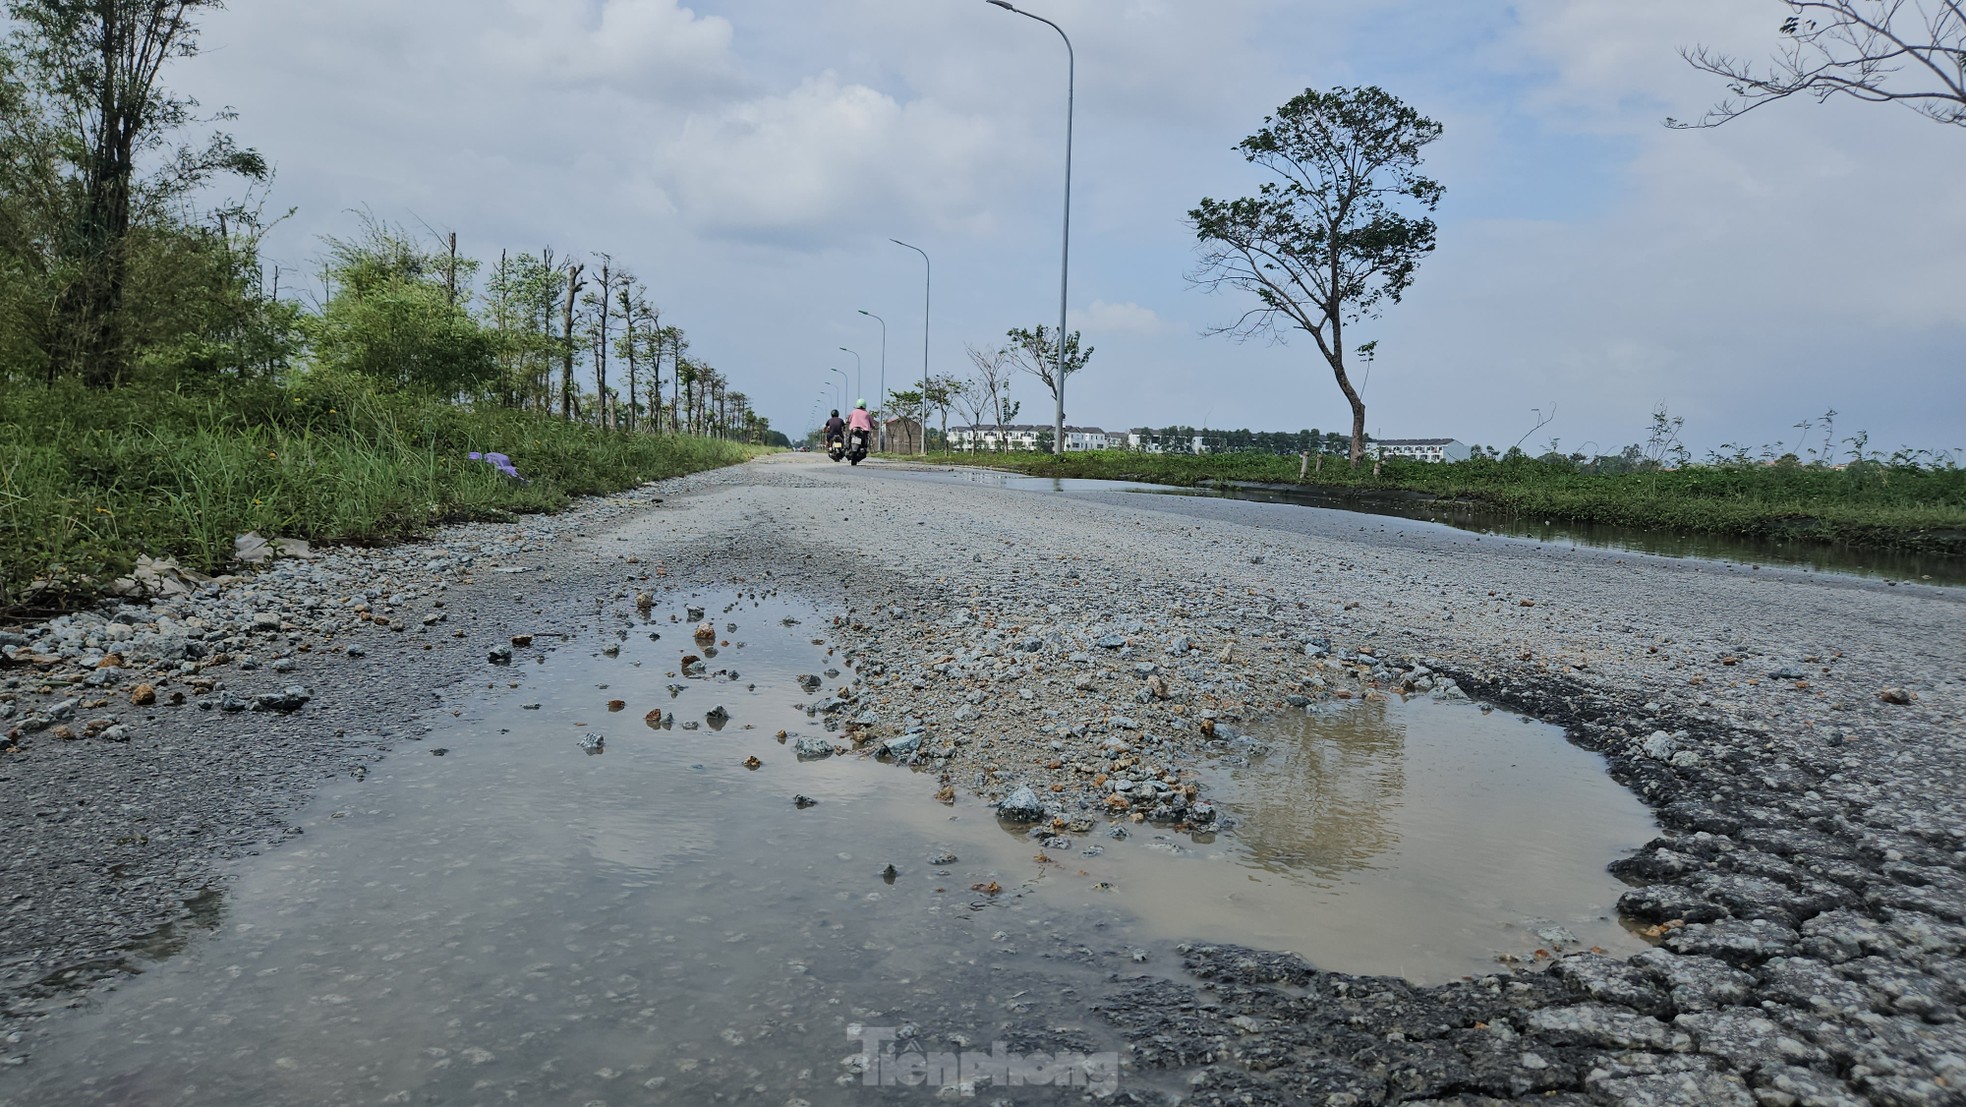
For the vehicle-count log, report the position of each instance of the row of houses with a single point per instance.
(1027, 436)
(1030, 436)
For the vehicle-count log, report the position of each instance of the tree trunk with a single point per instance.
(566, 363)
(601, 347)
(628, 337)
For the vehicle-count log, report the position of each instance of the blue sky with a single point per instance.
(751, 159)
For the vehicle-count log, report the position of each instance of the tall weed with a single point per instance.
(89, 481)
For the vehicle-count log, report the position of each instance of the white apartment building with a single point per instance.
(1420, 449)
(1024, 436)
(1149, 443)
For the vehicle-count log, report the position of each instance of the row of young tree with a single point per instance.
(547, 333)
(113, 275)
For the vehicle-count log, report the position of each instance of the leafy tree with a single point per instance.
(1325, 243)
(939, 395)
(195, 309)
(392, 319)
(523, 294)
(1879, 51)
(908, 404)
(92, 70)
(1035, 352)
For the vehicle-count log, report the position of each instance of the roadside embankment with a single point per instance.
(91, 482)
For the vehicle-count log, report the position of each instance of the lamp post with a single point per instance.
(883, 324)
(859, 389)
(1065, 266)
(842, 386)
(928, 283)
(882, 405)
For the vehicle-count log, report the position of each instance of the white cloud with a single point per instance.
(830, 161)
(1126, 318)
(643, 46)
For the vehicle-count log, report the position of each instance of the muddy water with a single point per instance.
(498, 913)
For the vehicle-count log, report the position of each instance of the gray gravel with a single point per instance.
(1808, 894)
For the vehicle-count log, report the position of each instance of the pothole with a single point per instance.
(647, 867)
(1400, 837)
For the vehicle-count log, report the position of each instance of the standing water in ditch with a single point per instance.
(610, 880)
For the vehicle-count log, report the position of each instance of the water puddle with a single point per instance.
(610, 879)
(1413, 838)
(1825, 557)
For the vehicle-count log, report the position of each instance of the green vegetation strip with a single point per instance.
(1868, 505)
(91, 480)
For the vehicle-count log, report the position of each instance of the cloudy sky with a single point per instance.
(750, 160)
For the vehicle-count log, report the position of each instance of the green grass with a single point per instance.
(89, 481)
(1870, 504)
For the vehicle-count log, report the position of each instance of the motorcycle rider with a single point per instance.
(862, 424)
(835, 428)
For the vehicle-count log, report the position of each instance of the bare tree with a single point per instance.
(682, 371)
(641, 335)
(970, 398)
(671, 338)
(1541, 422)
(600, 313)
(1909, 52)
(993, 368)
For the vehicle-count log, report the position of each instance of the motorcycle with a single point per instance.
(857, 451)
(836, 448)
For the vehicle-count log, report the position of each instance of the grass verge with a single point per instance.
(1868, 505)
(89, 481)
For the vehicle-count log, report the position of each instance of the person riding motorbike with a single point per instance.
(835, 428)
(862, 423)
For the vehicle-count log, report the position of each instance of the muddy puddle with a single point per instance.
(687, 912)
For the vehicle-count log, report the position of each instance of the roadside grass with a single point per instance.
(89, 481)
(1870, 504)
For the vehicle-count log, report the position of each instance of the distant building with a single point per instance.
(1149, 441)
(1025, 436)
(1419, 449)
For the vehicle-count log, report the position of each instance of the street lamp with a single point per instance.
(1065, 266)
(883, 324)
(882, 404)
(844, 384)
(928, 283)
(858, 388)
(838, 401)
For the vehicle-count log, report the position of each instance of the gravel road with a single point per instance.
(1075, 657)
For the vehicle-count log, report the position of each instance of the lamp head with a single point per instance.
(1004, 4)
